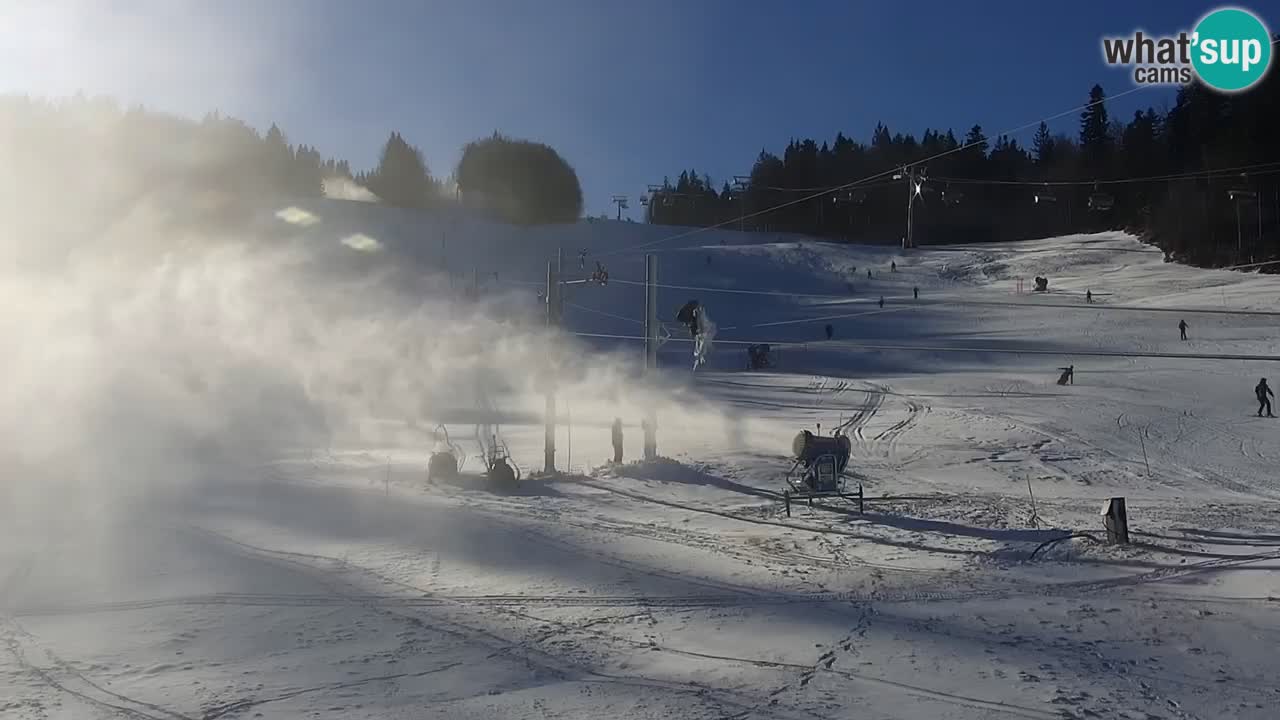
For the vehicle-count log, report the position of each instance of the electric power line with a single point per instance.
(736, 291)
(605, 314)
(1267, 168)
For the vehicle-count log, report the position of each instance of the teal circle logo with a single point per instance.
(1231, 49)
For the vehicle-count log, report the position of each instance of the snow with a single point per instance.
(216, 502)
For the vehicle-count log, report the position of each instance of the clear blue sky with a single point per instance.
(626, 91)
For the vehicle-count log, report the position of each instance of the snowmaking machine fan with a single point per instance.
(445, 461)
(500, 472)
(818, 469)
(442, 466)
(759, 357)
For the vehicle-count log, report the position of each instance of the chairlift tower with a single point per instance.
(915, 178)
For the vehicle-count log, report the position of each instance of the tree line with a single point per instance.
(1101, 176)
(70, 139)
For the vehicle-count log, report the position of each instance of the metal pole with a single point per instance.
(549, 419)
(559, 285)
(1259, 242)
(651, 348)
(1239, 241)
(911, 201)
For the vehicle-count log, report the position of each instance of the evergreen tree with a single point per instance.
(278, 159)
(1095, 137)
(1042, 145)
(525, 182)
(401, 178)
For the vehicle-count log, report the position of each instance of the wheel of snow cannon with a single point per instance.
(442, 466)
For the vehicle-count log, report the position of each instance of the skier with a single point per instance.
(1262, 391)
(881, 301)
(868, 273)
(916, 292)
(1088, 296)
(830, 331)
(1182, 328)
(1068, 375)
(893, 266)
(617, 440)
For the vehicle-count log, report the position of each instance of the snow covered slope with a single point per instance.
(252, 534)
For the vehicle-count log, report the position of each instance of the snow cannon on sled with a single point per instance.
(500, 472)
(446, 458)
(817, 471)
(821, 458)
(759, 357)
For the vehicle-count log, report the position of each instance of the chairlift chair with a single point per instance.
(1101, 201)
(1045, 196)
(951, 197)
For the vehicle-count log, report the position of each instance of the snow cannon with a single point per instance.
(501, 473)
(808, 449)
(442, 465)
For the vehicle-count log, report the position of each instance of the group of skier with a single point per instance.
(1262, 391)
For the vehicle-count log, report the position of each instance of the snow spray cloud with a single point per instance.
(706, 334)
(160, 343)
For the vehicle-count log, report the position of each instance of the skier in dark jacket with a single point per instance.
(1264, 402)
(617, 440)
(916, 292)
(830, 331)
(882, 301)
(1182, 328)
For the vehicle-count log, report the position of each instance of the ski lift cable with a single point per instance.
(943, 300)
(736, 291)
(985, 350)
(601, 312)
(801, 321)
(1267, 168)
(869, 178)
